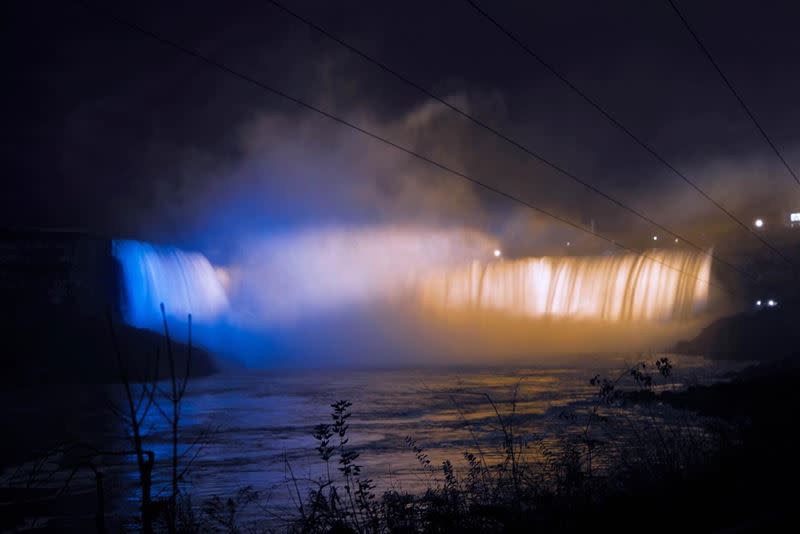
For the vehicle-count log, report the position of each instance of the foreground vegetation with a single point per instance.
(613, 471)
(720, 460)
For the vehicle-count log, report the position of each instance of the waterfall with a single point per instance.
(664, 285)
(184, 281)
(660, 286)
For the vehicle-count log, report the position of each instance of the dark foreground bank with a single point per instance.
(58, 347)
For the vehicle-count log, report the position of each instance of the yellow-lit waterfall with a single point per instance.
(660, 285)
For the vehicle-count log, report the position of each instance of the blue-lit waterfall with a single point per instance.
(185, 282)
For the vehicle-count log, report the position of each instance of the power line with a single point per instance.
(729, 85)
(261, 85)
(516, 40)
(527, 150)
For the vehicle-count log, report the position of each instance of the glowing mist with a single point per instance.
(375, 287)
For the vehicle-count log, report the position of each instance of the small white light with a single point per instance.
(759, 223)
(771, 303)
(794, 217)
(497, 253)
(676, 239)
(758, 303)
(568, 243)
(655, 238)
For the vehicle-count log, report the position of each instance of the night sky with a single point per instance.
(111, 132)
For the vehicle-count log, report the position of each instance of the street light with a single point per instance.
(497, 253)
(759, 223)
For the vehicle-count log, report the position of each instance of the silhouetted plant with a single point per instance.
(133, 416)
(224, 515)
(531, 483)
(422, 457)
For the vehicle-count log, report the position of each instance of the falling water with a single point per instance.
(184, 281)
(659, 286)
(662, 285)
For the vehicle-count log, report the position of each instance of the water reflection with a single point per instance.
(259, 422)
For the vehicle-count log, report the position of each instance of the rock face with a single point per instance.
(58, 289)
(59, 348)
(765, 335)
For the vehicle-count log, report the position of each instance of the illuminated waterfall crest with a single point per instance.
(662, 286)
(184, 281)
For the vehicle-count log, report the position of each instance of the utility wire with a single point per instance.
(527, 150)
(729, 85)
(516, 40)
(261, 85)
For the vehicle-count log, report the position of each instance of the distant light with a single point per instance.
(772, 303)
(568, 243)
(497, 253)
(655, 238)
(758, 303)
(794, 217)
(759, 223)
(676, 239)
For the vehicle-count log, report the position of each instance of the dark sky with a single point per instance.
(111, 132)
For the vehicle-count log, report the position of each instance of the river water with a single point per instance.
(255, 428)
